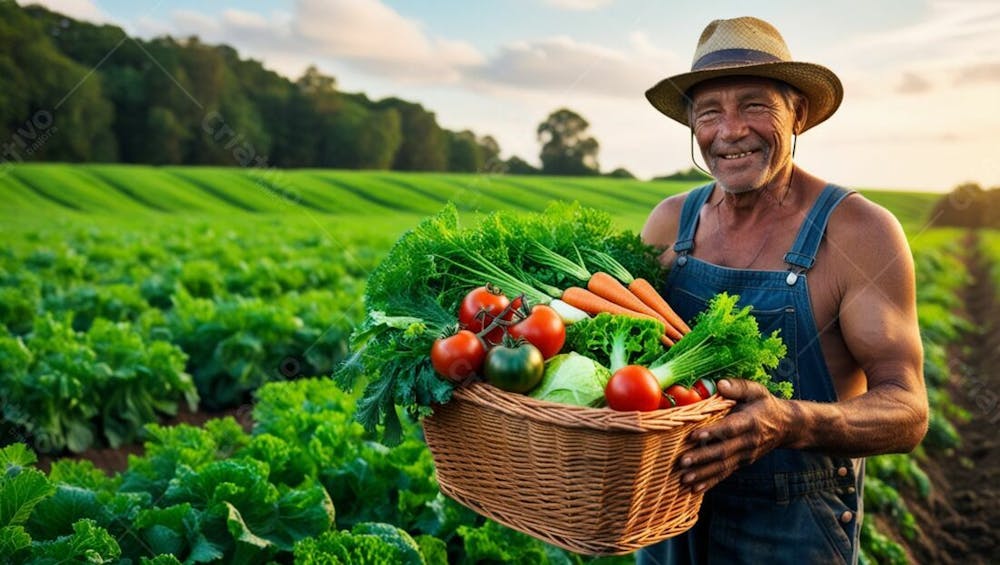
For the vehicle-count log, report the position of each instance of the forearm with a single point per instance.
(887, 419)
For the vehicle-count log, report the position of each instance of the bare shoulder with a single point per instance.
(660, 229)
(868, 239)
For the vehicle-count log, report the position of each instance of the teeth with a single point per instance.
(737, 155)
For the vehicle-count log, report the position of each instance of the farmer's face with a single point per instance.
(744, 129)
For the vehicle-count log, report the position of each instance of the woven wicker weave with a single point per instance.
(592, 481)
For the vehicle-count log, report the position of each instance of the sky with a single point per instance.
(922, 77)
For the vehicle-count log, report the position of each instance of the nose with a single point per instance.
(732, 126)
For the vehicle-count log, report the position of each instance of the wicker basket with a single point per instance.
(593, 481)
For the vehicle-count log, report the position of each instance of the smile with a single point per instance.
(737, 155)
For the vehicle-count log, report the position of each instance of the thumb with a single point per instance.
(741, 389)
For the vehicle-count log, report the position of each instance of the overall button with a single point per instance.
(847, 516)
(682, 260)
(842, 471)
(851, 490)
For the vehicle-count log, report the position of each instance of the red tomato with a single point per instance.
(458, 356)
(633, 387)
(515, 309)
(479, 307)
(683, 396)
(666, 401)
(704, 387)
(543, 328)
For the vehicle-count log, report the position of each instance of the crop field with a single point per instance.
(167, 337)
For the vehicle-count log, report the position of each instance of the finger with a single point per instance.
(705, 477)
(741, 389)
(733, 425)
(738, 449)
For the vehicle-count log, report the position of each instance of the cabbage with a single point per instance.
(571, 378)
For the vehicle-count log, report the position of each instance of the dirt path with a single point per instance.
(960, 521)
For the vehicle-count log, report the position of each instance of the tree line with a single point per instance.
(968, 205)
(180, 101)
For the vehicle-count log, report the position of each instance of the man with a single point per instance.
(824, 265)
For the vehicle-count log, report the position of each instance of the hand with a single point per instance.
(758, 424)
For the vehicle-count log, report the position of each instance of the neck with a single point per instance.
(752, 203)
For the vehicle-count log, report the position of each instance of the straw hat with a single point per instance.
(748, 47)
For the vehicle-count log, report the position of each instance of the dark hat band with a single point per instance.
(731, 57)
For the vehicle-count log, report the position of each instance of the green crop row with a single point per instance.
(214, 192)
(307, 485)
(106, 328)
(941, 277)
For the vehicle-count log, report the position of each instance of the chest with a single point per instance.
(766, 252)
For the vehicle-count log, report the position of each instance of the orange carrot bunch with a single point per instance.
(607, 291)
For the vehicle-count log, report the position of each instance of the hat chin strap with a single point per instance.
(695, 161)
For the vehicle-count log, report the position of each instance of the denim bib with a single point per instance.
(790, 506)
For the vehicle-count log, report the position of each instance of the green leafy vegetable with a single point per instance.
(571, 378)
(724, 341)
(616, 341)
(366, 544)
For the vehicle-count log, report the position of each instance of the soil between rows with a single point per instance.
(115, 460)
(959, 522)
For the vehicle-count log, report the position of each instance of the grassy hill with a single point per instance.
(137, 190)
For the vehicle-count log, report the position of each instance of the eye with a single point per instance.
(705, 115)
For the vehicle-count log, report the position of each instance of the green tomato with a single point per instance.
(517, 368)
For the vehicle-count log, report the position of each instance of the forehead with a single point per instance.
(738, 85)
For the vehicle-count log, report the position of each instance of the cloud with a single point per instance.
(366, 35)
(952, 32)
(578, 5)
(377, 38)
(77, 9)
(912, 83)
(981, 72)
(562, 64)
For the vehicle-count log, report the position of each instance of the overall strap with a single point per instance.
(803, 252)
(689, 218)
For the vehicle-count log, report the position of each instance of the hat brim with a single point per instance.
(816, 82)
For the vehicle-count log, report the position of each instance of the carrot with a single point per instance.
(593, 304)
(645, 291)
(608, 287)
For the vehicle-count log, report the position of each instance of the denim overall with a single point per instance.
(790, 506)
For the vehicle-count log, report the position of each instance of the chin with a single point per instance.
(739, 185)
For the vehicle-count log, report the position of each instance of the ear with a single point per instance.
(801, 113)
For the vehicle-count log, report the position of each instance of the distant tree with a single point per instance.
(620, 173)
(490, 150)
(171, 138)
(464, 152)
(518, 166)
(424, 146)
(968, 206)
(38, 117)
(566, 147)
(379, 139)
(315, 82)
(686, 175)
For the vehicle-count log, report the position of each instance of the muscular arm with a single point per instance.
(878, 321)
